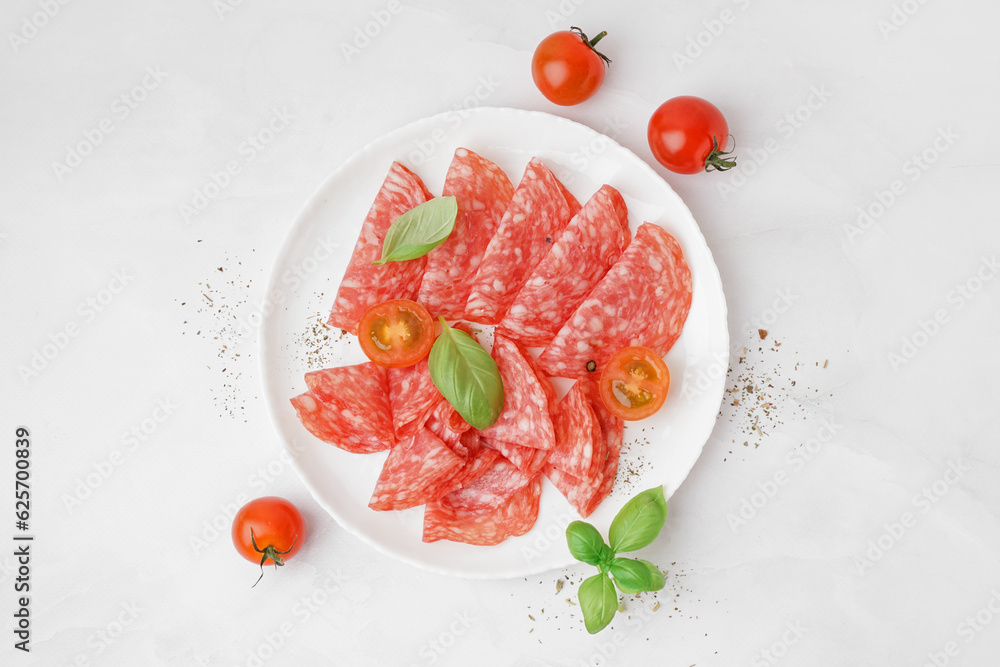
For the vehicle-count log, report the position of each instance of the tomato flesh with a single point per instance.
(683, 133)
(396, 333)
(566, 69)
(635, 383)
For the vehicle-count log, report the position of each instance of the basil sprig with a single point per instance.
(419, 230)
(636, 525)
(467, 376)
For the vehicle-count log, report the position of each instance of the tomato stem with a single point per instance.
(716, 160)
(269, 552)
(592, 42)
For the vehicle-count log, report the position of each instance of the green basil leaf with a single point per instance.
(419, 230)
(585, 543)
(598, 601)
(636, 576)
(466, 376)
(639, 521)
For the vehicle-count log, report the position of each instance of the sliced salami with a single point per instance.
(412, 396)
(478, 460)
(643, 300)
(491, 489)
(525, 418)
(483, 526)
(445, 422)
(365, 284)
(583, 253)
(352, 408)
(527, 459)
(533, 221)
(580, 446)
(483, 192)
(419, 469)
(347, 429)
(585, 496)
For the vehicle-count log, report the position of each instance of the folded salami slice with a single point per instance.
(534, 219)
(527, 459)
(579, 258)
(483, 526)
(491, 489)
(525, 418)
(348, 406)
(643, 300)
(365, 284)
(586, 496)
(347, 430)
(412, 396)
(580, 446)
(418, 470)
(483, 192)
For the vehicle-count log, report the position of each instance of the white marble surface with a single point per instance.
(859, 528)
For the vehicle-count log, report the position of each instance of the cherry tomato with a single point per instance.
(688, 134)
(566, 67)
(268, 529)
(634, 383)
(396, 333)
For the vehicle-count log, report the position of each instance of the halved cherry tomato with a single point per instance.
(268, 529)
(634, 383)
(396, 333)
(566, 67)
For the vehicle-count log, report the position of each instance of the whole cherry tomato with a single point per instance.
(268, 529)
(566, 67)
(688, 134)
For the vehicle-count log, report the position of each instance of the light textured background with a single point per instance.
(835, 536)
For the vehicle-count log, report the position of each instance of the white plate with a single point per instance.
(659, 450)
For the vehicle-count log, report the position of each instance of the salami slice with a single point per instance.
(491, 489)
(348, 406)
(483, 526)
(365, 284)
(643, 300)
(537, 214)
(586, 496)
(344, 428)
(527, 459)
(412, 396)
(580, 446)
(478, 460)
(525, 418)
(419, 469)
(583, 253)
(483, 192)
(445, 422)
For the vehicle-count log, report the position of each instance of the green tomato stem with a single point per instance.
(716, 160)
(591, 42)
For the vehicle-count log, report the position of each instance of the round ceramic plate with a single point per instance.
(658, 450)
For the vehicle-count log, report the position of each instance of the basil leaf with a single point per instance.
(419, 230)
(466, 376)
(636, 576)
(639, 521)
(598, 601)
(585, 543)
